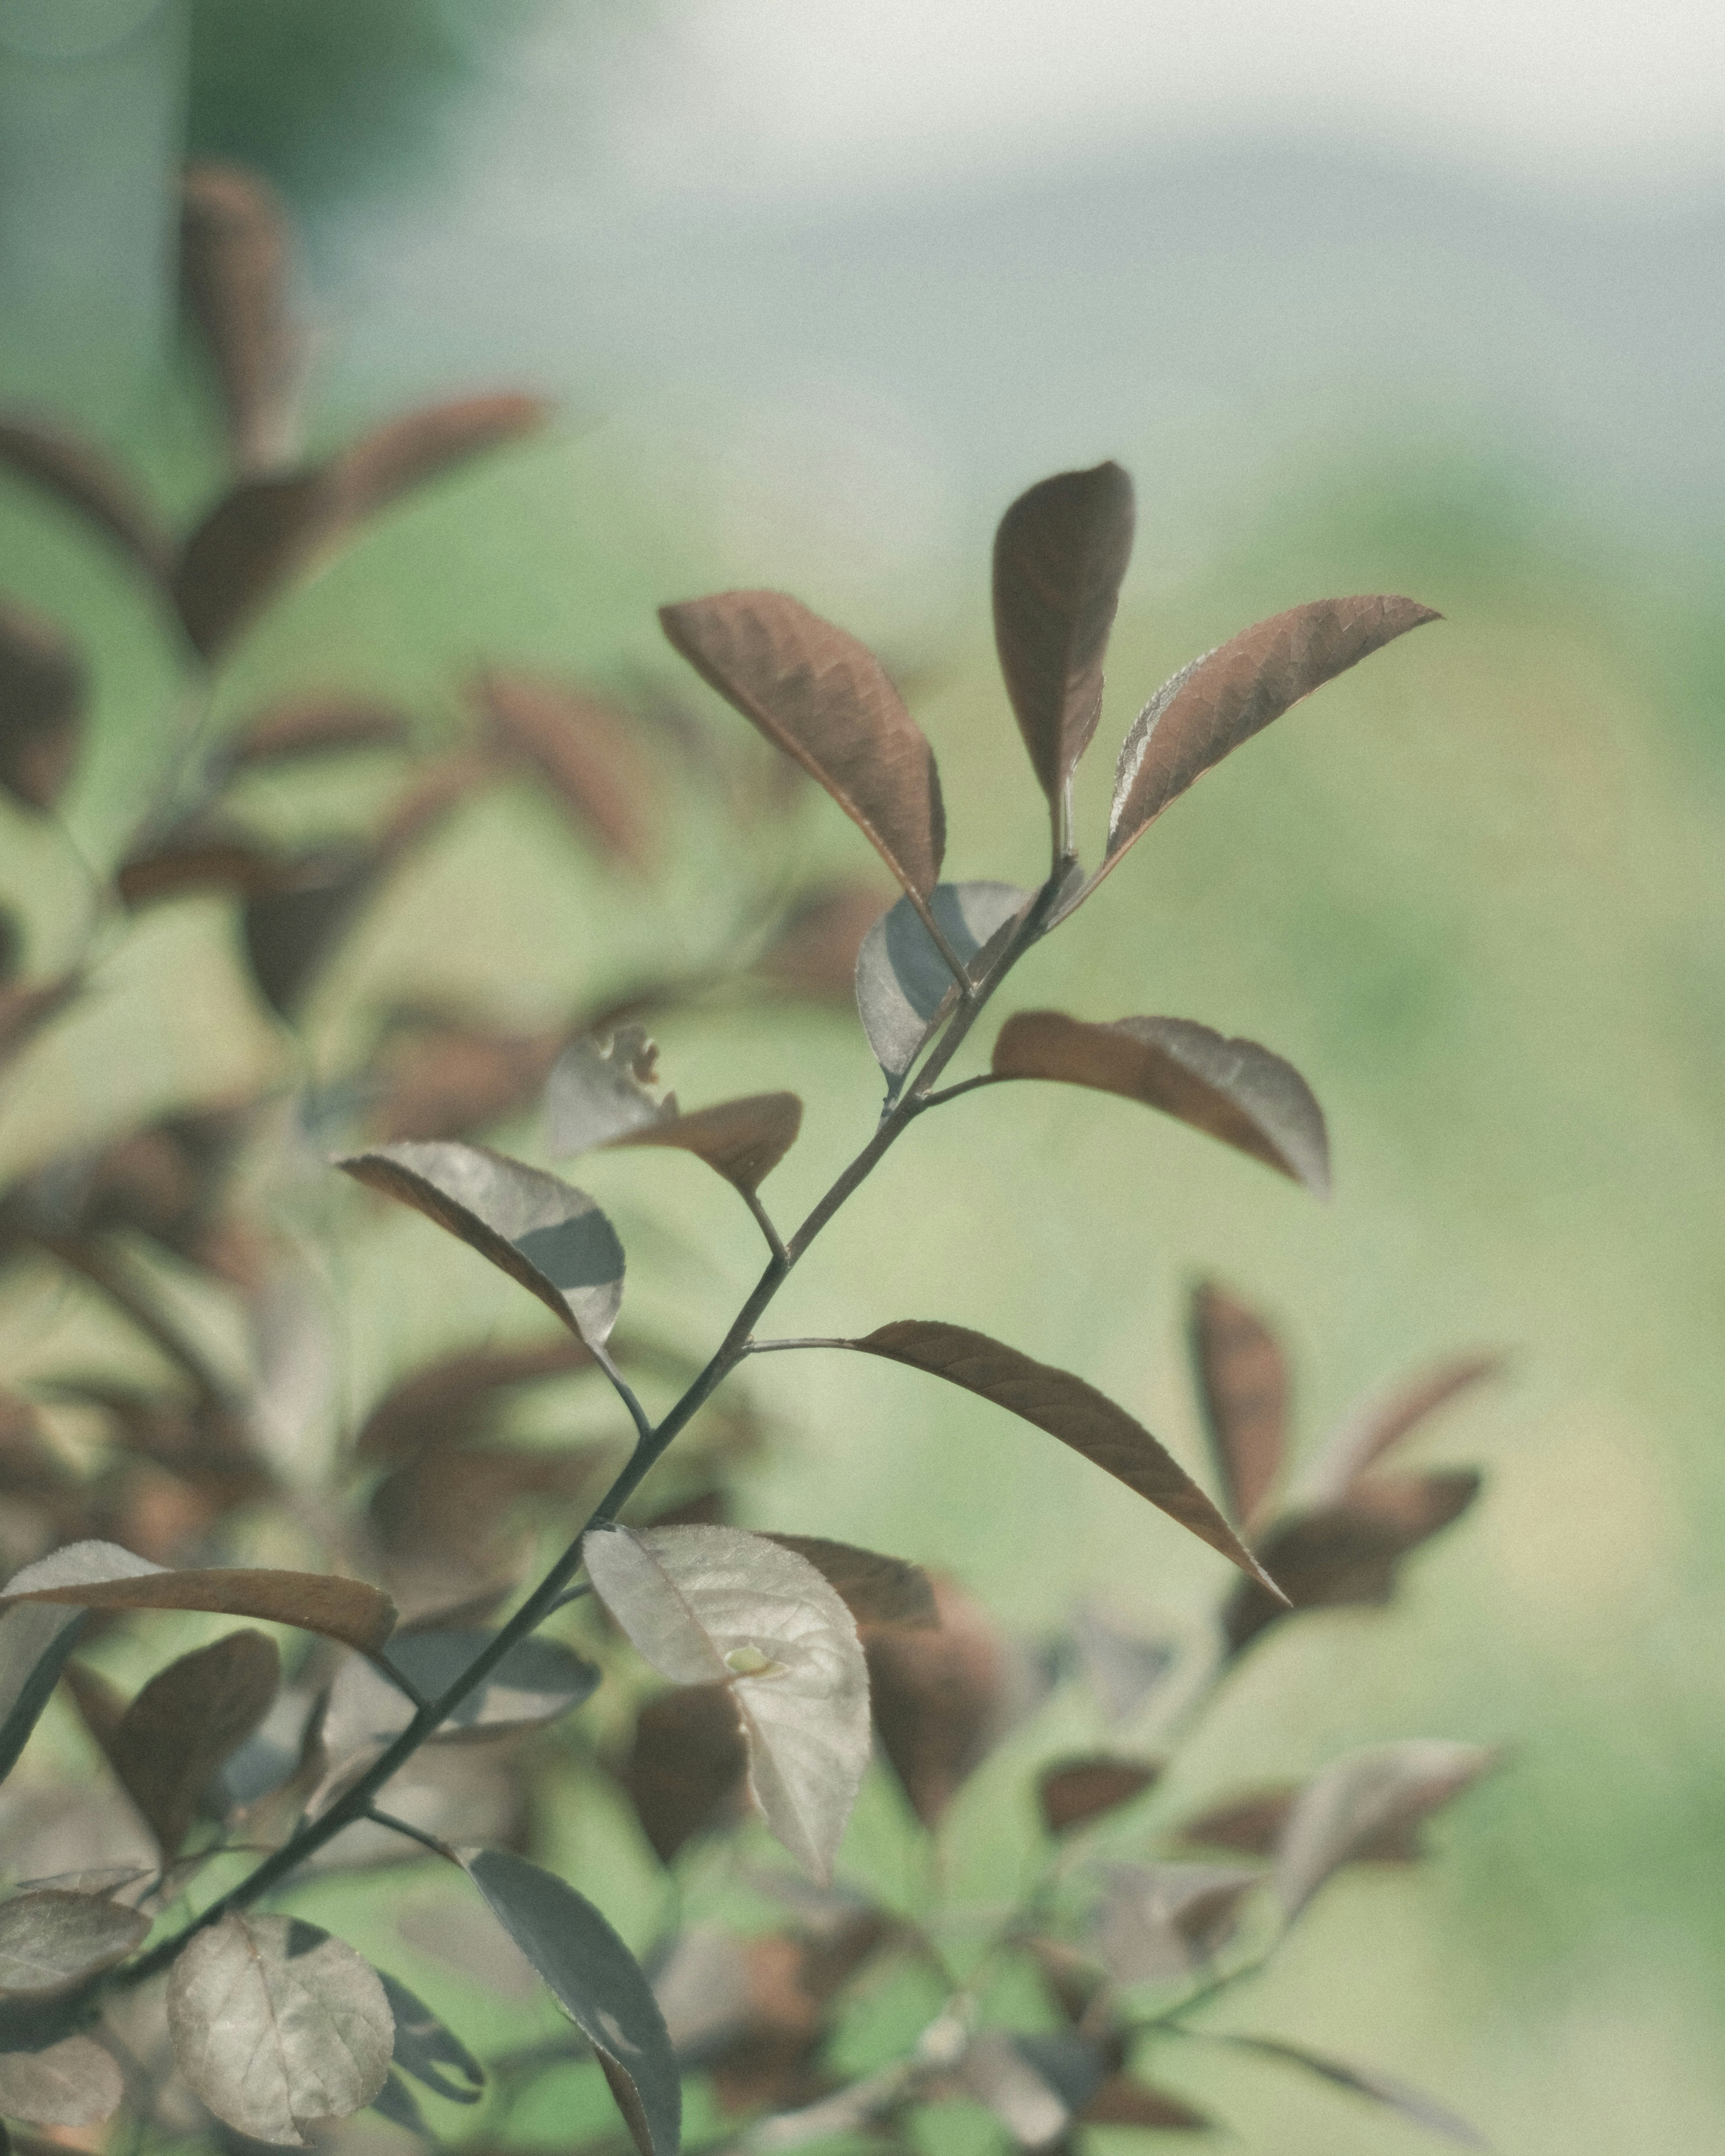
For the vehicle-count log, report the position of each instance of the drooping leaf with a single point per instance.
(1243, 1391)
(880, 1593)
(1232, 1090)
(234, 266)
(175, 1737)
(35, 1645)
(826, 700)
(1071, 1793)
(1411, 2104)
(1163, 1921)
(1060, 554)
(42, 692)
(315, 726)
(244, 551)
(424, 445)
(1364, 1438)
(943, 1699)
(904, 985)
(448, 1401)
(425, 2047)
(86, 483)
(704, 1605)
(73, 2083)
(536, 1681)
(1346, 1810)
(97, 1575)
(586, 752)
(594, 1979)
(52, 1939)
(1348, 1555)
(277, 2025)
(688, 1765)
(1067, 1408)
(539, 1229)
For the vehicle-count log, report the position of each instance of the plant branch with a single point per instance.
(964, 1085)
(625, 1391)
(414, 1834)
(764, 1219)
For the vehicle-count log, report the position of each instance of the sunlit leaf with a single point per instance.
(277, 2025)
(1243, 1391)
(42, 693)
(904, 985)
(704, 1605)
(1071, 1793)
(424, 445)
(1060, 554)
(425, 2047)
(687, 1766)
(943, 1699)
(1396, 2096)
(536, 1681)
(539, 1230)
(1067, 1408)
(80, 480)
(73, 2083)
(1232, 1090)
(244, 551)
(1163, 1921)
(97, 1575)
(880, 1593)
(826, 700)
(51, 1939)
(585, 750)
(177, 1734)
(1364, 1438)
(234, 266)
(1343, 1811)
(594, 1979)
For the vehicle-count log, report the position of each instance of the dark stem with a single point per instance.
(413, 1833)
(625, 1391)
(764, 1221)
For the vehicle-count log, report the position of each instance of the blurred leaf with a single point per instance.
(814, 953)
(1073, 1792)
(688, 1764)
(196, 857)
(96, 1575)
(175, 1737)
(23, 1012)
(1161, 1921)
(1242, 1390)
(291, 927)
(424, 2045)
(438, 1078)
(396, 2102)
(1124, 1668)
(448, 1401)
(80, 480)
(1124, 2100)
(446, 1507)
(539, 1230)
(997, 2072)
(425, 443)
(41, 697)
(826, 700)
(1365, 1438)
(1254, 1826)
(73, 2083)
(743, 1141)
(35, 1645)
(233, 267)
(879, 1592)
(599, 1090)
(585, 751)
(1232, 1090)
(1347, 1808)
(52, 1939)
(1060, 554)
(536, 1681)
(943, 1699)
(1067, 1408)
(703, 1605)
(245, 549)
(1396, 2096)
(277, 2026)
(905, 987)
(314, 727)
(593, 1978)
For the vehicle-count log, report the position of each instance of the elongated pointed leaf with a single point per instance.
(1067, 1408)
(585, 750)
(1243, 1391)
(826, 700)
(245, 550)
(904, 985)
(52, 1939)
(539, 1229)
(1224, 698)
(73, 2083)
(1073, 1792)
(704, 1605)
(315, 726)
(234, 266)
(81, 480)
(1124, 2100)
(97, 1575)
(42, 695)
(1341, 1813)
(175, 1735)
(277, 2025)
(1060, 554)
(1161, 1921)
(1232, 1090)
(688, 1767)
(1254, 1826)
(422, 445)
(35, 1645)
(1395, 2096)
(879, 1592)
(536, 1681)
(1365, 1438)
(425, 2047)
(595, 1979)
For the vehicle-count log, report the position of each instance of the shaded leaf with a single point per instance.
(1060, 554)
(1340, 1814)
(539, 1230)
(1232, 1090)
(396, 2102)
(96, 1575)
(23, 1012)
(277, 2025)
(1161, 1921)
(293, 925)
(1254, 1826)
(314, 727)
(879, 1592)
(1073, 1792)
(587, 752)
(424, 445)
(1124, 2100)
(1243, 1391)
(1396, 2096)
(234, 266)
(594, 1979)
(600, 1089)
(826, 700)
(704, 1605)
(536, 1681)
(52, 1939)
(73, 2083)
(1228, 694)
(814, 953)
(425, 2046)
(904, 985)
(1364, 1438)
(943, 1699)
(445, 1509)
(177, 1734)
(42, 693)
(688, 1766)
(450, 1401)
(84, 481)
(1067, 1408)
(246, 548)
(35, 1645)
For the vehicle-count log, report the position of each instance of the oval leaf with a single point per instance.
(1060, 554)
(536, 1681)
(880, 1593)
(1232, 693)
(826, 700)
(705, 1604)
(178, 1732)
(539, 1229)
(595, 1979)
(690, 1760)
(81, 480)
(1073, 1792)
(1366, 1437)
(52, 1939)
(743, 1141)
(72, 2083)
(943, 1698)
(1344, 1811)
(1243, 1391)
(234, 266)
(424, 445)
(244, 551)
(277, 2026)
(1410, 2102)
(96, 1575)
(1232, 1090)
(904, 986)
(1067, 1408)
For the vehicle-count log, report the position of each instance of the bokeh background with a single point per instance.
(1366, 300)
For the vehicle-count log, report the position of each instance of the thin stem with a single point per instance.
(404, 1683)
(964, 1085)
(413, 1833)
(778, 1347)
(625, 1391)
(764, 1221)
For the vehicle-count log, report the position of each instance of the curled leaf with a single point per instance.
(173, 1739)
(904, 985)
(53, 1939)
(42, 692)
(1350, 1807)
(1073, 1792)
(1242, 1390)
(234, 266)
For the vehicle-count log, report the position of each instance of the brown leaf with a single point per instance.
(233, 267)
(73, 2083)
(424, 444)
(826, 700)
(177, 1734)
(1224, 698)
(687, 1767)
(814, 953)
(1347, 1554)
(1073, 1792)
(1123, 2100)
(1243, 1391)
(248, 547)
(449, 1402)
(942, 1699)
(1253, 1826)
(587, 752)
(197, 857)
(440, 1078)
(1060, 554)
(743, 1141)
(1072, 1411)
(449, 1505)
(880, 1593)
(1366, 1437)
(82, 481)
(1232, 1090)
(42, 693)
(292, 928)
(313, 727)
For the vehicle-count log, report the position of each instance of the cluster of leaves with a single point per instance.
(788, 1657)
